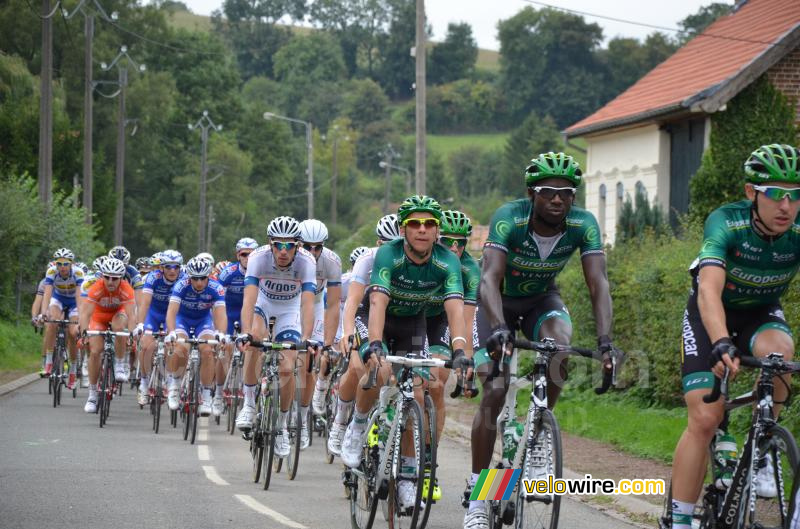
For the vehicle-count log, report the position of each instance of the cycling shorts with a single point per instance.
(200, 326)
(154, 320)
(63, 304)
(402, 335)
(439, 336)
(287, 327)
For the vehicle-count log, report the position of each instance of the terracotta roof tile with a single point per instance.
(722, 50)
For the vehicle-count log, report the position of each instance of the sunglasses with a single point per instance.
(429, 223)
(450, 241)
(284, 245)
(203, 278)
(778, 193)
(547, 192)
(172, 267)
(63, 263)
(244, 254)
(313, 247)
(111, 278)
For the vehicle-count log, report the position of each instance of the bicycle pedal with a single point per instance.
(247, 435)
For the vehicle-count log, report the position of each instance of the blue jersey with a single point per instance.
(232, 279)
(195, 305)
(157, 285)
(65, 289)
(133, 277)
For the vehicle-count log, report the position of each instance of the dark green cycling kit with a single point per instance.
(757, 271)
(527, 274)
(410, 286)
(470, 278)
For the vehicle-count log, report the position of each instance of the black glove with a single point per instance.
(721, 347)
(495, 345)
(375, 348)
(243, 338)
(460, 361)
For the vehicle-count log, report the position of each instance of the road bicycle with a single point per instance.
(191, 388)
(60, 368)
(106, 383)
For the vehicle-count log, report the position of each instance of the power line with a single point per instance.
(644, 24)
(164, 45)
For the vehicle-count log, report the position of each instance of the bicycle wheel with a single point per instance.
(186, 407)
(102, 387)
(194, 413)
(361, 484)
(400, 517)
(258, 439)
(294, 424)
(774, 512)
(271, 417)
(158, 398)
(532, 512)
(55, 377)
(330, 416)
(430, 461)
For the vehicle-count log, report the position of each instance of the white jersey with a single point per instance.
(346, 278)
(362, 270)
(278, 285)
(329, 272)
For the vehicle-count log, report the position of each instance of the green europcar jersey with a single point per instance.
(527, 274)
(410, 286)
(757, 272)
(470, 278)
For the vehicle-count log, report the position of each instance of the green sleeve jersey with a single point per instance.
(470, 278)
(757, 271)
(527, 274)
(411, 286)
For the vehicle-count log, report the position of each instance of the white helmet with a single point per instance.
(98, 263)
(205, 256)
(112, 267)
(246, 243)
(121, 253)
(83, 266)
(198, 267)
(387, 228)
(64, 253)
(313, 230)
(358, 252)
(283, 228)
(170, 257)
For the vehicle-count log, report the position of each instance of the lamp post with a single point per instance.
(310, 148)
(388, 154)
(382, 164)
(204, 124)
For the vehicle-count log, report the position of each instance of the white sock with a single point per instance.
(283, 417)
(73, 368)
(322, 384)
(206, 393)
(343, 410)
(304, 414)
(479, 504)
(219, 391)
(92, 390)
(143, 383)
(682, 514)
(48, 358)
(408, 466)
(360, 420)
(250, 395)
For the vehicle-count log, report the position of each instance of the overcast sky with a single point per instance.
(483, 15)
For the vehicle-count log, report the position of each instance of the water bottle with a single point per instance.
(512, 434)
(725, 457)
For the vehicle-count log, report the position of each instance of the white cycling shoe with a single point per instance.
(335, 436)
(765, 478)
(282, 443)
(351, 446)
(217, 406)
(173, 399)
(244, 421)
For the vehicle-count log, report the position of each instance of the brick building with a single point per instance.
(652, 136)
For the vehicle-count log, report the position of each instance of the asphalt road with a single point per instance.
(59, 469)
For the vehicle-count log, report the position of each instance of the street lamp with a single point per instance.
(383, 165)
(309, 146)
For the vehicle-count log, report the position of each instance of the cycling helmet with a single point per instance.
(98, 263)
(112, 267)
(283, 228)
(121, 253)
(170, 257)
(417, 203)
(142, 262)
(246, 243)
(64, 253)
(358, 252)
(773, 163)
(313, 230)
(553, 165)
(387, 228)
(220, 265)
(205, 256)
(83, 266)
(455, 223)
(198, 267)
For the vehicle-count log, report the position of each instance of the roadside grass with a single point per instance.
(20, 347)
(446, 144)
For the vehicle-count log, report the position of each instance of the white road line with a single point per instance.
(266, 511)
(203, 422)
(202, 435)
(203, 453)
(211, 474)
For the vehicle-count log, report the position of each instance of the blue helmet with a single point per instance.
(246, 243)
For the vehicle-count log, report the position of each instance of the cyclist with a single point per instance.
(143, 266)
(152, 311)
(232, 279)
(36, 318)
(135, 280)
(110, 301)
(61, 285)
(313, 234)
(406, 274)
(530, 241)
(196, 308)
(280, 283)
(386, 230)
(748, 258)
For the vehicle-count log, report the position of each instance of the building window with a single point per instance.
(620, 196)
(640, 189)
(601, 211)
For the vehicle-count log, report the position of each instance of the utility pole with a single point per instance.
(388, 154)
(204, 124)
(421, 52)
(211, 220)
(88, 100)
(119, 180)
(46, 108)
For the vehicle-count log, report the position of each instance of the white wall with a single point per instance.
(626, 157)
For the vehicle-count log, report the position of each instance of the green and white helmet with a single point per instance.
(773, 163)
(553, 165)
(417, 203)
(455, 223)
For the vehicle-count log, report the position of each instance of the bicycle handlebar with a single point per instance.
(197, 341)
(107, 333)
(778, 365)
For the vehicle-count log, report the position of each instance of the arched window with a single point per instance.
(640, 189)
(601, 210)
(620, 197)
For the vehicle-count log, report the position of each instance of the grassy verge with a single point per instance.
(20, 347)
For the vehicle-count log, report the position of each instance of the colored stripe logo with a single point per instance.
(495, 484)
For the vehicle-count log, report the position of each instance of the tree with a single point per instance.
(548, 63)
(536, 135)
(455, 57)
(364, 101)
(627, 59)
(638, 217)
(396, 71)
(696, 23)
